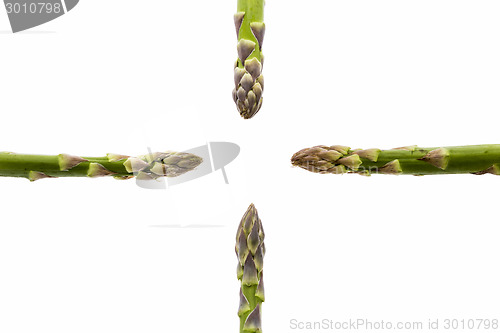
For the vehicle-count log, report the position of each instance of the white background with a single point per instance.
(104, 256)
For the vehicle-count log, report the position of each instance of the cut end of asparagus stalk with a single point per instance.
(248, 78)
(250, 252)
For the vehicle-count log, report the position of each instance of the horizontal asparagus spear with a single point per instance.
(411, 160)
(152, 166)
(250, 251)
(248, 79)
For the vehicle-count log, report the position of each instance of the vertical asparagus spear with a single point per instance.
(411, 160)
(248, 79)
(250, 251)
(34, 167)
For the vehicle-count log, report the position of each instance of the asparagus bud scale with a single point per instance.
(411, 160)
(152, 166)
(250, 251)
(248, 79)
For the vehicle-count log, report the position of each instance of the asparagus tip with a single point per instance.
(323, 159)
(250, 246)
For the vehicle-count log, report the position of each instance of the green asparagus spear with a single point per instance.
(152, 166)
(411, 160)
(249, 82)
(250, 251)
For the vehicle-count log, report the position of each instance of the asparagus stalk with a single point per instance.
(411, 160)
(249, 82)
(152, 166)
(250, 251)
